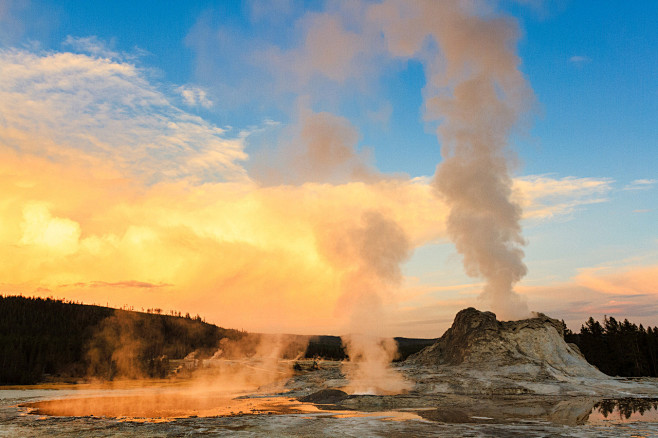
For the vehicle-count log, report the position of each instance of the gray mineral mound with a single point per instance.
(529, 346)
(325, 396)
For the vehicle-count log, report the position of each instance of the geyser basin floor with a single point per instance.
(285, 416)
(544, 390)
(169, 406)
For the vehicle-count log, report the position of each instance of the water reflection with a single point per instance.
(571, 412)
(625, 410)
(171, 404)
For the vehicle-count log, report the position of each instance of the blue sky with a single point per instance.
(592, 66)
(588, 147)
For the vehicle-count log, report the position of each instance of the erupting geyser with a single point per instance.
(488, 94)
(475, 89)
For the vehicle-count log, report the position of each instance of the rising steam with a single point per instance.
(487, 96)
(376, 249)
(478, 93)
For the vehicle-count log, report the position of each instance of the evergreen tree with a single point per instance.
(618, 349)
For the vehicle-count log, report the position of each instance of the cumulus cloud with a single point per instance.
(285, 258)
(41, 229)
(231, 251)
(101, 170)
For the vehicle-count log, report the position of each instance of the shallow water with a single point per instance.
(160, 412)
(626, 410)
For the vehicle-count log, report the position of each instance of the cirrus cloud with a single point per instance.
(88, 109)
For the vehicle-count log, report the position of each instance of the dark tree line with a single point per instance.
(46, 337)
(618, 348)
(331, 347)
(325, 347)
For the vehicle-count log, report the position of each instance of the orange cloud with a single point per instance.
(628, 292)
(624, 281)
(109, 189)
(242, 255)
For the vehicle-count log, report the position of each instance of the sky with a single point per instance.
(272, 166)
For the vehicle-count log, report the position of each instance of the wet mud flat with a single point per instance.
(168, 412)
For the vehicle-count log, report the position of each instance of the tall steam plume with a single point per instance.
(487, 96)
(478, 93)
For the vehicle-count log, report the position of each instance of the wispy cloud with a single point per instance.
(544, 197)
(580, 59)
(329, 50)
(93, 46)
(641, 184)
(118, 284)
(627, 281)
(628, 292)
(382, 115)
(91, 110)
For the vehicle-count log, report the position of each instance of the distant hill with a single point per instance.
(47, 337)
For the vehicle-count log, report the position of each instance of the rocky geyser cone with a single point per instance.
(478, 339)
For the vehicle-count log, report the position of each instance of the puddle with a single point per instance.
(166, 406)
(171, 406)
(626, 410)
(384, 415)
